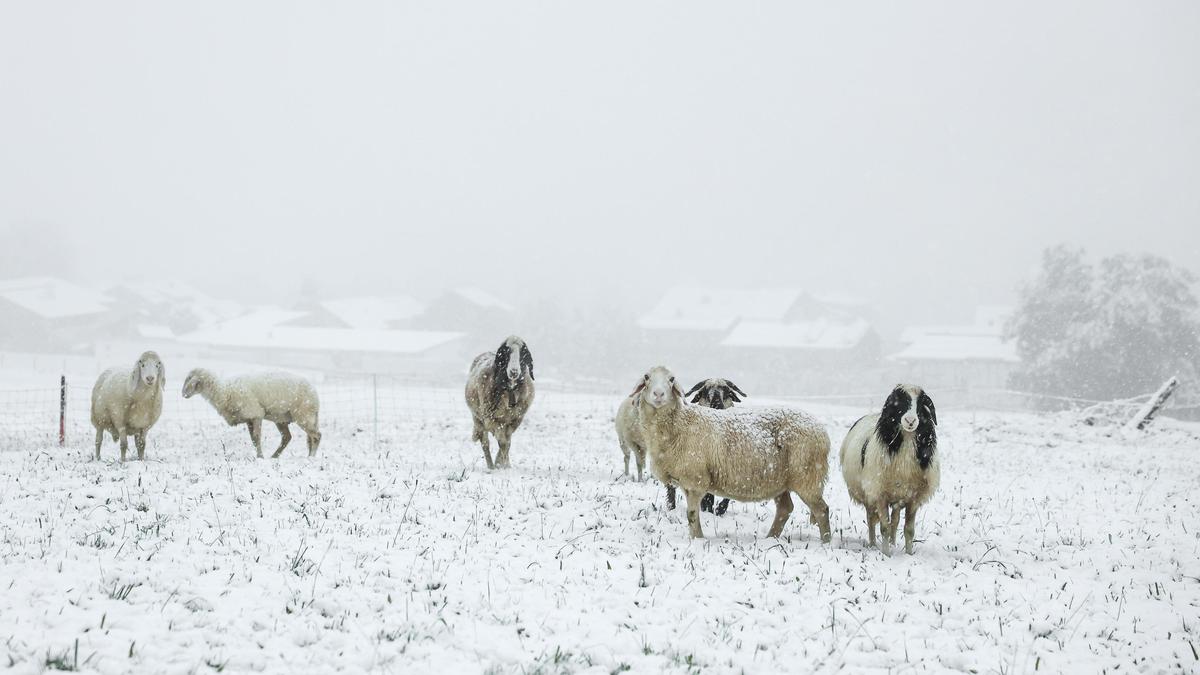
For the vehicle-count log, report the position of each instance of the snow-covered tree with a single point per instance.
(1105, 331)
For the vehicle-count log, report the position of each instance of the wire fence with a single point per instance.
(374, 406)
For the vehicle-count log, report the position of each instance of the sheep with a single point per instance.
(716, 393)
(748, 455)
(889, 460)
(128, 402)
(499, 392)
(281, 398)
(629, 437)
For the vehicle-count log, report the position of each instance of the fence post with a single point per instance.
(374, 413)
(62, 411)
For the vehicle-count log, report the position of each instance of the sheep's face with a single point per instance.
(908, 407)
(192, 384)
(513, 370)
(149, 371)
(658, 387)
(717, 393)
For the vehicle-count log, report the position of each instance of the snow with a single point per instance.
(374, 313)
(322, 339)
(815, 334)
(482, 298)
(709, 309)
(1049, 547)
(931, 347)
(52, 298)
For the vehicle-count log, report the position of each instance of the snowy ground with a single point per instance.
(1048, 548)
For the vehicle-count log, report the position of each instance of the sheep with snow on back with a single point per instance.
(499, 392)
(128, 402)
(748, 455)
(716, 393)
(890, 461)
(281, 398)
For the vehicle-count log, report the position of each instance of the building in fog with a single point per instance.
(962, 358)
(49, 314)
(777, 340)
(478, 314)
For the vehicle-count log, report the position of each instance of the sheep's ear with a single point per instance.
(638, 389)
(678, 392)
(735, 387)
(733, 395)
(699, 385)
(162, 376)
(136, 375)
(932, 410)
(527, 360)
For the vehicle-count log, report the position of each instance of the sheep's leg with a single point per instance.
(625, 451)
(670, 497)
(872, 523)
(503, 440)
(487, 451)
(139, 440)
(640, 455)
(706, 504)
(783, 509)
(314, 440)
(910, 527)
(255, 427)
(285, 437)
(818, 513)
(722, 507)
(124, 444)
(894, 524)
(693, 514)
(881, 515)
(99, 442)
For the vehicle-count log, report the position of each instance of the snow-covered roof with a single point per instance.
(260, 318)
(177, 295)
(53, 298)
(989, 322)
(321, 339)
(155, 331)
(482, 298)
(707, 309)
(816, 334)
(374, 313)
(961, 347)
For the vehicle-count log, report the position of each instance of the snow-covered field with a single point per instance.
(1048, 548)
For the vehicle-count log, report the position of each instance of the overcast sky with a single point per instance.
(917, 150)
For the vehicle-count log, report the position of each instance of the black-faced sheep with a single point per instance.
(890, 461)
(281, 398)
(499, 392)
(717, 393)
(748, 455)
(128, 402)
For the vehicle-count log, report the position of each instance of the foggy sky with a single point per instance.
(918, 155)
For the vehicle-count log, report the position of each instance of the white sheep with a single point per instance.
(890, 461)
(128, 402)
(499, 392)
(281, 398)
(629, 437)
(750, 455)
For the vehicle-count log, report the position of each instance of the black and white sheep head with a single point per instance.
(507, 371)
(148, 371)
(194, 382)
(716, 392)
(658, 387)
(909, 410)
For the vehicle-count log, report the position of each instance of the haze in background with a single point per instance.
(919, 155)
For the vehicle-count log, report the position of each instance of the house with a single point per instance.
(173, 304)
(964, 357)
(280, 337)
(375, 313)
(481, 316)
(50, 314)
(773, 339)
